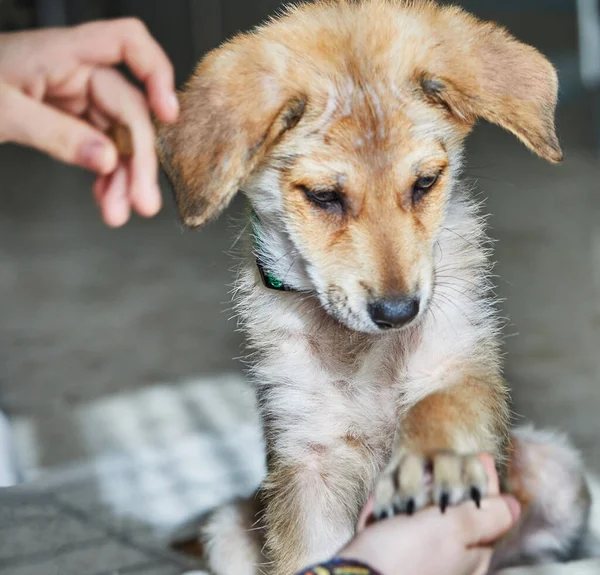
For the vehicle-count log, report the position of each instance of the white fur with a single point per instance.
(314, 400)
(233, 545)
(551, 527)
(321, 381)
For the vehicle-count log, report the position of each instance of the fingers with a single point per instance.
(484, 526)
(117, 98)
(365, 514)
(493, 486)
(111, 195)
(99, 188)
(513, 506)
(497, 514)
(31, 123)
(128, 41)
(478, 527)
(99, 119)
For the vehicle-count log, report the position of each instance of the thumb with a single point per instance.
(486, 525)
(364, 517)
(26, 121)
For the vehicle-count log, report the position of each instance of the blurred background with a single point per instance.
(118, 347)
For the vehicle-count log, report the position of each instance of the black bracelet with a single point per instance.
(339, 566)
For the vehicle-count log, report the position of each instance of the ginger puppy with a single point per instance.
(365, 290)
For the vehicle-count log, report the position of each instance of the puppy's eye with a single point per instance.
(423, 185)
(326, 199)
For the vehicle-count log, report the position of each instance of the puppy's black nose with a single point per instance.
(392, 313)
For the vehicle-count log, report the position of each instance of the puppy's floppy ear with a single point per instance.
(482, 71)
(235, 107)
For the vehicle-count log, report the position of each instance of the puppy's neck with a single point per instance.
(461, 304)
(269, 278)
(280, 265)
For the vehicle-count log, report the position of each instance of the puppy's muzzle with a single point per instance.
(395, 312)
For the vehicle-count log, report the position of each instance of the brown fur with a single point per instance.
(363, 98)
(468, 409)
(472, 69)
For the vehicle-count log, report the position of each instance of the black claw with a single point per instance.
(444, 502)
(410, 506)
(476, 496)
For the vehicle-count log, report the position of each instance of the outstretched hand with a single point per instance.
(458, 542)
(60, 93)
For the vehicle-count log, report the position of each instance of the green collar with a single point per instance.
(269, 279)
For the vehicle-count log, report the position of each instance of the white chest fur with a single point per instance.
(322, 386)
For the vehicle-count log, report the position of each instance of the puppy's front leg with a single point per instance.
(434, 459)
(312, 507)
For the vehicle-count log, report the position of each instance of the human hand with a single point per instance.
(60, 94)
(458, 542)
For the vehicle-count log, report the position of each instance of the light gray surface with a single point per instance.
(159, 458)
(40, 535)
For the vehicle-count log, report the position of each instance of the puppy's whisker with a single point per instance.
(494, 180)
(458, 291)
(460, 236)
(452, 303)
(441, 310)
(289, 269)
(476, 285)
(241, 234)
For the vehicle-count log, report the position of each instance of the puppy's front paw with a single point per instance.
(412, 481)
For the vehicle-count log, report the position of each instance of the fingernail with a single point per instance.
(97, 156)
(154, 207)
(117, 213)
(151, 202)
(513, 507)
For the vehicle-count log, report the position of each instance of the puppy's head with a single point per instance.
(344, 122)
